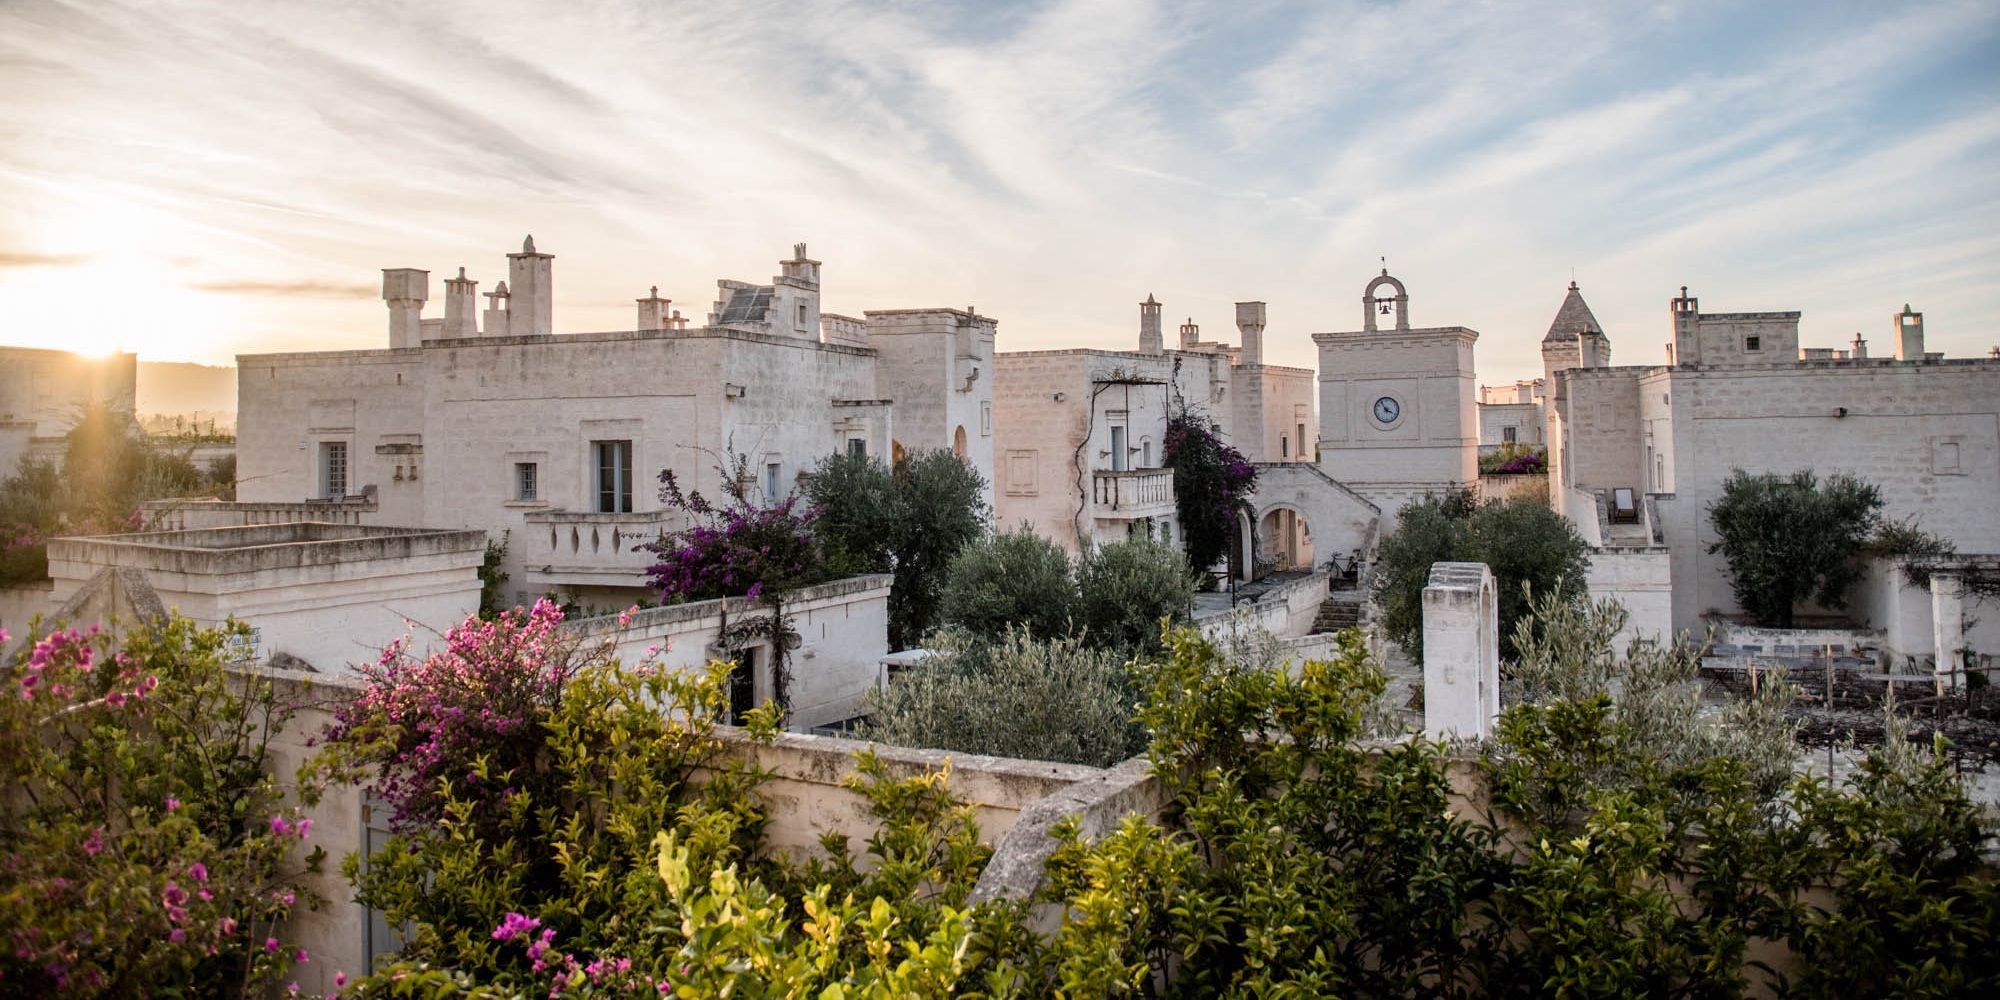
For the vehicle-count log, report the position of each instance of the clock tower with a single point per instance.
(1397, 413)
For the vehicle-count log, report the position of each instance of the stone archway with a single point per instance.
(1284, 538)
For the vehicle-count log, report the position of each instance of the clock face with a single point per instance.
(1387, 410)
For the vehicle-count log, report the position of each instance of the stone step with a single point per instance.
(1336, 615)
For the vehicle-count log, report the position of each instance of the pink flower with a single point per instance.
(115, 699)
(340, 979)
(94, 844)
(199, 871)
(174, 895)
(305, 826)
(280, 827)
(271, 945)
(173, 804)
(178, 936)
(300, 956)
(228, 925)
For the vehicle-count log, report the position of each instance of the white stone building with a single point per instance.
(556, 441)
(1641, 452)
(1080, 434)
(1513, 414)
(1397, 410)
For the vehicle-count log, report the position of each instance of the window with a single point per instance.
(527, 485)
(1284, 446)
(1117, 449)
(1508, 434)
(613, 460)
(1753, 343)
(802, 315)
(333, 469)
(742, 685)
(771, 482)
(857, 448)
(1302, 440)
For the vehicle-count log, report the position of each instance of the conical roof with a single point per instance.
(1573, 318)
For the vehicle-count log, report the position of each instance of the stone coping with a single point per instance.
(253, 548)
(674, 614)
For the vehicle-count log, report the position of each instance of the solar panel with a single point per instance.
(747, 305)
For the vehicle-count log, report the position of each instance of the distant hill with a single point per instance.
(178, 388)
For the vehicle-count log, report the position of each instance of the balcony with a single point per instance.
(560, 547)
(1129, 496)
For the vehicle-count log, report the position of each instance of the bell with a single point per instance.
(1385, 306)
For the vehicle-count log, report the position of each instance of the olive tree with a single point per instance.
(1789, 539)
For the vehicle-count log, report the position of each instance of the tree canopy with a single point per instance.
(1522, 541)
(910, 520)
(1790, 539)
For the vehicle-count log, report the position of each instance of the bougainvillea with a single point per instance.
(144, 850)
(740, 549)
(482, 697)
(1212, 483)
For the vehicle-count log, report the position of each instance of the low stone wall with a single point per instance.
(1640, 578)
(19, 605)
(1285, 611)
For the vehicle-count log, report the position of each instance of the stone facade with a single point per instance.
(1397, 408)
(1081, 434)
(325, 594)
(1925, 431)
(1513, 414)
(556, 441)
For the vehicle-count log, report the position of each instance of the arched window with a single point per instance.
(958, 443)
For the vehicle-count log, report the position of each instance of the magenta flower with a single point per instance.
(280, 827)
(94, 844)
(271, 945)
(173, 804)
(199, 871)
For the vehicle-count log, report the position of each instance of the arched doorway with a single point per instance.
(1284, 540)
(958, 442)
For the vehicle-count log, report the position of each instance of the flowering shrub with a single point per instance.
(144, 851)
(741, 549)
(1212, 482)
(477, 703)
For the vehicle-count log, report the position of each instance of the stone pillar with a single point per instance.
(1909, 334)
(405, 289)
(461, 306)
(1948, 627)
(1149, 327)
(497, 322)
(1250, 326)
(653, 312)
(1461, 652)
(531, 277)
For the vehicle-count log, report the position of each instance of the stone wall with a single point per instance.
(19, 605)
(1636, 577)
(843, 635)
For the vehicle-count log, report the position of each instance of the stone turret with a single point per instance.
(531, 275)
(1149, 327)
(1250, 326)
(406, 289)
(1909, 335)
(461, 304)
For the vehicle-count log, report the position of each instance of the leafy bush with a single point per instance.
(1010, 580)
(144, 850)
(1037, 699)
(910, 520)
(740, 548)
(1125, 588)
(1792, 539)
(1212, 485)
(1525, 544)
(1514, 460)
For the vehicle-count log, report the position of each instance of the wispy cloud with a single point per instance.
(302, 289)
(10, 258)
(1051, 161)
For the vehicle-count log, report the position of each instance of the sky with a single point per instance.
(191, 180)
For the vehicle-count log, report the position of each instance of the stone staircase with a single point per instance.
(1336, 614)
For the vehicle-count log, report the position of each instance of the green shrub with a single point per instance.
(1125, 588)
(1008, 580)
(144, 849)
(1038, 699)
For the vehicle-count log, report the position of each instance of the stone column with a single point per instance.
(1948, 627)
(1461, 652)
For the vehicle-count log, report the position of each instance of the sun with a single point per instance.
(102, 278)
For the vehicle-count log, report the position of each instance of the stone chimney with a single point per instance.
(1909, 335)
(653, 312)
(1250, 326)
(461, 305)
(498, 321)
(1149, 327)
(531, 275)
(800, 268)
(406, 289)
(1860, 347)
(1190, 334)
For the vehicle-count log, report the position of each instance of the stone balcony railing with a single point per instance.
(1134, 494)
(584, 548)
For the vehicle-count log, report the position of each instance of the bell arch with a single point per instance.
(1372, 303)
